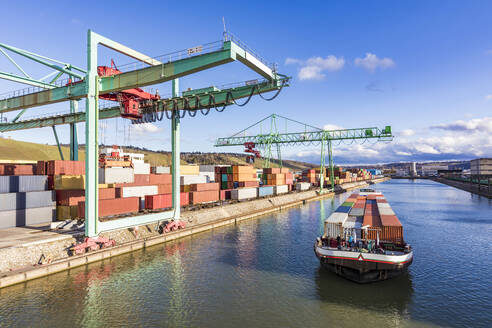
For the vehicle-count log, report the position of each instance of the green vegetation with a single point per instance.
(19, 150)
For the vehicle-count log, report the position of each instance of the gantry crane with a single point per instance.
(310, 136)
(92, 84)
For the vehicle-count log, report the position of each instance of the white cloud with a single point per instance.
(144, 128)
(371, 62)
(474, 125)
(488, 97)
(331, 127)
(292, 61)
(403, 153)
(315, 67)
(407, 133)
(426, 149)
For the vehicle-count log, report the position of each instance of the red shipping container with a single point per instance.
(197, 197)
(153, 202)
(65, 167)
(164, 188)
(390, 221)
(73, 197)
(225, 194)
(141, 179)
(156, 179)
(115, 206)
(17, 169)
(204, 186)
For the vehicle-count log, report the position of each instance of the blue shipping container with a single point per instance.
(265, 191)
(343, 209)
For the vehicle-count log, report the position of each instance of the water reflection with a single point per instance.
(391, 296)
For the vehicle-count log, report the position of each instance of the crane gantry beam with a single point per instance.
(324, 137)
(154, 74)
(192, 101)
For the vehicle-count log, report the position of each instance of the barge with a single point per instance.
(363, 240)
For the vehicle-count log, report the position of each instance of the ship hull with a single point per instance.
(363, 267)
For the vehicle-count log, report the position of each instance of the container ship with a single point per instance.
(363, 240)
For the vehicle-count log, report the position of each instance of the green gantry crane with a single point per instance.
(89, 85)
(310, 136)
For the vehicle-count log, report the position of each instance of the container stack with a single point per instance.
(277, 176)
(244, 176)
(371, 219)
(204, 193)
(392, 229)
(207, 171)
(25, 200)
(309, 176)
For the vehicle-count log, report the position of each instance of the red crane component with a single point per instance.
(131, 101)
(92, 244)
(250, 148)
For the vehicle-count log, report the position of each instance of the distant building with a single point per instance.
(432, 169)
(481, 166)
(413, 169)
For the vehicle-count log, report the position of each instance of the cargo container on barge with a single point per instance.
(363, 240)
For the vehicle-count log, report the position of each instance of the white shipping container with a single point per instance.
(141, 168)
(283, 189)
(243, 193)
(207, 168)
(210, 176)
(301, 186)
(116, 175)
(333, 224)
(386, 211)
(384, 205)
(162, 170)
(192, 179)
(138, 191)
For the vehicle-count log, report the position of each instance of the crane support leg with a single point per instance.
(74, 145)
(58, 143)
(330, 163)
(322, 167)
(176, 196)
(279, 156)
(91, 136)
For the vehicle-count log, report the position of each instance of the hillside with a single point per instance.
(28, 151)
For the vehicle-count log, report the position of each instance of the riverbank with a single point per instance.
(19, 263)
(477, 189)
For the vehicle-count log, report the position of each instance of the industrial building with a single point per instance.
(481, 166)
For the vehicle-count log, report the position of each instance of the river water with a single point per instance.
(263, 273)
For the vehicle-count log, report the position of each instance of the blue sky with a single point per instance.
(423, 67)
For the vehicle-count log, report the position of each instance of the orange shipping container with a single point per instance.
(197, 197)
(204, 186)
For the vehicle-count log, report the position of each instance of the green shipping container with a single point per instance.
(351, 204)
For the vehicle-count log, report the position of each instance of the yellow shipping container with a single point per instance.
(243, 169)
(66, 212)
(189, 170)
(186, 188)
(244, 177)
(69, 182)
